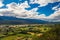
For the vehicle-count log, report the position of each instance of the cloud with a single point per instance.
(43, 2)
(19, 11)
(54, 17)
(56, 7)
(56, 13)
(1, 3)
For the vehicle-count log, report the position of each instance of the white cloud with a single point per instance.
(43, 2)
(56, 13)
(56, 7)
(1, 4)
(54, 17)
(19, 11)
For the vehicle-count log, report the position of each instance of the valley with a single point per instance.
(30, 32)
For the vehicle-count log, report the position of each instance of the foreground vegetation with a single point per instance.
(30, 32)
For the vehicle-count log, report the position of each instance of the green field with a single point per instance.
(36, 32)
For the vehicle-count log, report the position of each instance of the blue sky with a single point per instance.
(46, 9)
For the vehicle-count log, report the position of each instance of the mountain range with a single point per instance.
(14, 20)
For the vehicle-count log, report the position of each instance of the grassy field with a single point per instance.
(36, 32)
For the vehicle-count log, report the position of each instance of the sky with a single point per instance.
(48, 10)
